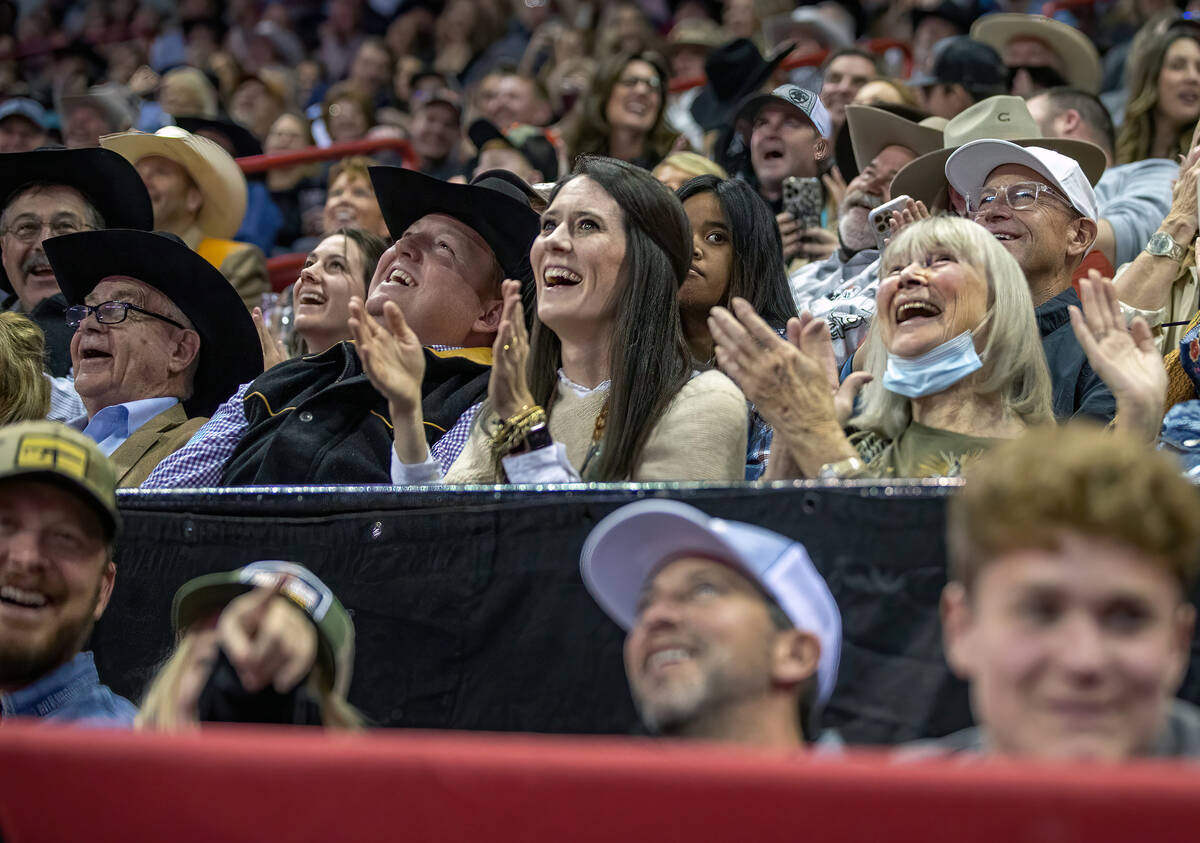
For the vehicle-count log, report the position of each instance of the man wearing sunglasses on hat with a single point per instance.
(161, 338)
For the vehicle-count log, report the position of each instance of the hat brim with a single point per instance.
(109, 520)
(240, 138)
(107, 181)
(969, 166)
(627, 547)
(711, 112)
(213, 171)
(499, 213)
(873, 129)
(230, 353)
(924, 178)
(207, 595)
(1081, 61)
(750, 108)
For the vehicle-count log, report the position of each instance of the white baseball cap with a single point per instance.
(968, 168)
(631, 544)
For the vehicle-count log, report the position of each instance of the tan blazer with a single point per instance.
(152, 443)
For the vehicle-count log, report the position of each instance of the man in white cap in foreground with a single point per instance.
(732, 633)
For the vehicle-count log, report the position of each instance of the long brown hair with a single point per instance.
(649, 361)
(1136, 137)
(590, 134)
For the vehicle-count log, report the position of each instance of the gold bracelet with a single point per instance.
(512, 431)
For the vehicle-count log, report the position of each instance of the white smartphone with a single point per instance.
(879, 219)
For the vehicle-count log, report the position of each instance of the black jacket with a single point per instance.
(317, 419)
(1078, 391)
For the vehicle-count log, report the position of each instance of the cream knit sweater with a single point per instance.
(701, 436)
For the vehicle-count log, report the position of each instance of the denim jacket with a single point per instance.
(70, 693)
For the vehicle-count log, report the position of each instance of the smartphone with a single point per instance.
(879, 217)
(804, 198)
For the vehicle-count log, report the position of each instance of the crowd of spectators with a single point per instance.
(553, 241)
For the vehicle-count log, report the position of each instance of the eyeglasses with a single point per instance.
(651, 82)
(111, 313)
(29, 229)
(1020, 197)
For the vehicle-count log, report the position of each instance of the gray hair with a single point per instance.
(92, 217)
(1014, 365)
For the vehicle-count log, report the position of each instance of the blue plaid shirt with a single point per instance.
(201, 462)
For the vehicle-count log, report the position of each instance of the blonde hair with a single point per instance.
(199, 86)
(1014, 365)
(1078, 478)
(693, 164)
(160, 709)
(24, 389)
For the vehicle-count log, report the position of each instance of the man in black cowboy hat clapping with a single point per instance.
(318, 419)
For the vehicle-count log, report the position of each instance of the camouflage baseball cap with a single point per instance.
(54, 453)
(208, 594)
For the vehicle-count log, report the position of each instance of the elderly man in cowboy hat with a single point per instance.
(841, 289)
(159, 341)
(59, 509)
(318, 419)
(1041, 52)
(49, 192)
(733, 635)
(199, 194)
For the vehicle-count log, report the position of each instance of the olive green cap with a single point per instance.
(53, 453)
(205, 595)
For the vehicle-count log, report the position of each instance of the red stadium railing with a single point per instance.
(257, 784)
(283, 269)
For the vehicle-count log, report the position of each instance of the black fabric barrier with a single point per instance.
(471, 614)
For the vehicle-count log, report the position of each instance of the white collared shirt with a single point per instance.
(111, 426)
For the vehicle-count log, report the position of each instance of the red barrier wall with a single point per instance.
(261, 784)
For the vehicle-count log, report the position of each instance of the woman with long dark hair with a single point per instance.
(736, 253)
(1164, 98)
(624, 114)
(603, 388)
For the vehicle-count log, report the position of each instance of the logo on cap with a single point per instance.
(48, 452)
(800, 97)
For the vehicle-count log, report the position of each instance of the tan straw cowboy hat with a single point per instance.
(995, 118)
(1080, 60)
(873, 129)
(214, 172)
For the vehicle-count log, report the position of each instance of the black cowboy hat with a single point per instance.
(734, 70)
(241, 139)
(494, 207)
(230, 353)
(106, 180)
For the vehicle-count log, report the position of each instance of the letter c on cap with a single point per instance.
(1003, 117)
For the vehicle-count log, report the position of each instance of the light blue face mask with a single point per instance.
(933, 371)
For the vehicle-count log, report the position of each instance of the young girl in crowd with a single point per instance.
(736, 252)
